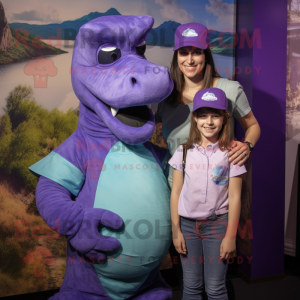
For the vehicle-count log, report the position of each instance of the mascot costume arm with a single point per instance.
(79, 225)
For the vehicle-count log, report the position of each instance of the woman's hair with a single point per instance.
(195, 135)
(209, 71)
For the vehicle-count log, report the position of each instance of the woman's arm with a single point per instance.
(228, 245)
(252, 134)
(178, 239)
(251, 128)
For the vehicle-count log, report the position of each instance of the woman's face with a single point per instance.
(191, 61)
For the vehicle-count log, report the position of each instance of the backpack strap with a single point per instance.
(184, 159)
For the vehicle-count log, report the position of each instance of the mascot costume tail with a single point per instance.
(104, 188)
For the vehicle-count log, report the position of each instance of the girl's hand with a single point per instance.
(179, 243)
(239, 153)
(227, 247)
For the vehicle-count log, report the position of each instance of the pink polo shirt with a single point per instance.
(205, 187)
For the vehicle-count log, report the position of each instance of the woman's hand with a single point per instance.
(239, 153)
(227, 248)
(179, 242)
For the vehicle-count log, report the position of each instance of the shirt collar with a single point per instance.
(214, 147)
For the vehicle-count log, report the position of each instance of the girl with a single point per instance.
(206, 202)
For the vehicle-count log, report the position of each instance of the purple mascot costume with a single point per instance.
(104, 188)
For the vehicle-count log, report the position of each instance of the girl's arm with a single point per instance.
(252, 134)
(228, 245)
(178, 239)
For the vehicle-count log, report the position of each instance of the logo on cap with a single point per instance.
(189, 33)
(209, 97)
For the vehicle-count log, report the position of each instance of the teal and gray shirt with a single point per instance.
(176, 120)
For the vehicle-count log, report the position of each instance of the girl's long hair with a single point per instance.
(209, 71)
(224, 134)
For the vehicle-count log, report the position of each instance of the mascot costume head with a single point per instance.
(120, 83)
(104, 187)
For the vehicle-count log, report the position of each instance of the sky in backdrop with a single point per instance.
(216, 14)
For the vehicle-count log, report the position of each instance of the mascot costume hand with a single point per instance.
(104, 187)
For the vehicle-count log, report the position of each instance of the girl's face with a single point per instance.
(209, 124)
(191, 61)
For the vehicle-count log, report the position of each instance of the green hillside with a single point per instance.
(26, 48)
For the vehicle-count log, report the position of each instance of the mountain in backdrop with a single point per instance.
(163, 35)
(64, 31)
(14, 47)
(6, 40)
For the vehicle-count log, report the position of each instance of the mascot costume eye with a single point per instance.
(104, 187)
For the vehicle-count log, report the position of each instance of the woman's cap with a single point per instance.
(212, 97)
(191, 34)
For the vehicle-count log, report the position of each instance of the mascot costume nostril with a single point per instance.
(104, 187)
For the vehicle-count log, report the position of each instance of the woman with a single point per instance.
(193, 69)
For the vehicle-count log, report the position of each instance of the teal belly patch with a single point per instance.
(134, 187)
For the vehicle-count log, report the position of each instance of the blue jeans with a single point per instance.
(202, 263)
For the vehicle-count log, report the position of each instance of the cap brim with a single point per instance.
(190, 43)
(214, 106)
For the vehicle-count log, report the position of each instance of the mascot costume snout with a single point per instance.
(104, 187)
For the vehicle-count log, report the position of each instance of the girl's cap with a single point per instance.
(191, 34)
(212, 97)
